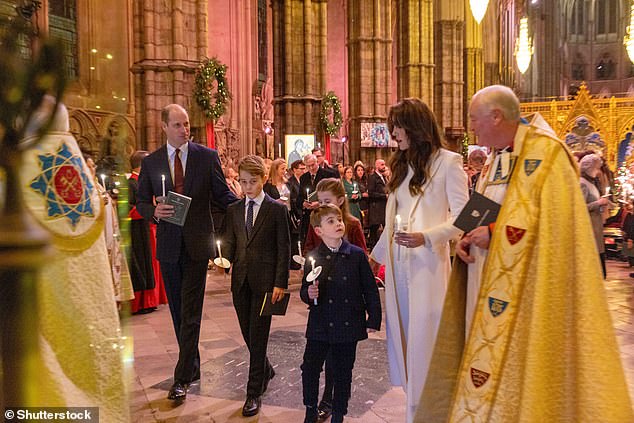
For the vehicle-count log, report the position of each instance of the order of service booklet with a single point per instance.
(479, 211)
(277, 309)
(181, 207)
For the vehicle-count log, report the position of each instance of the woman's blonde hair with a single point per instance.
(275, 176)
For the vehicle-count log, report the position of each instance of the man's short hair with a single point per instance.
(316, 149)
(165, 112)
(252, 164)
(590, 161)
(323, 211)
(137, 158)
(308, 157)
(499, 97)
(296, 164)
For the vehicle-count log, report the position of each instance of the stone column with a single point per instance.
(169, 38)
(369, 69)
(473, 59)
(448, 59)
(299, 66)
(415, 49)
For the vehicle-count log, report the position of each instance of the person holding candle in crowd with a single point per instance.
(258, 245)
(183, 251)
(352, 192)
(428, 189)
(338, 302)
(307, 184)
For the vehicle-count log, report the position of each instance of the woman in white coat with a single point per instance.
(428, 189)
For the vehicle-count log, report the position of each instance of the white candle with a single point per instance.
(354, 186)
(219, 250)
(279, 147)
(163, 183)
(307, 193)
(103, 180)
(299, 247)
(312, 262)
(607, 191)
(398, 222)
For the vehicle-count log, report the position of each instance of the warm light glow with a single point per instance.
(93, 51)
(523, 47)
(478, 9)
(628, 40)
(109, 56)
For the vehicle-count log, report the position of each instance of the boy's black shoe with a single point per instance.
(311, 415)
(324, 409)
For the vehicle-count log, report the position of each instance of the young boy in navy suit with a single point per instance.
(345, 290)
(258, 245)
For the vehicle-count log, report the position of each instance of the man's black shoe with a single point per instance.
(324, 410)
(336, 418)
(251, 406)
(270, 376)
(178, 392)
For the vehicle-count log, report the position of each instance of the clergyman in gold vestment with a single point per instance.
(541, 347)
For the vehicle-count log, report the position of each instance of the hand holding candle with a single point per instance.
(312, 262)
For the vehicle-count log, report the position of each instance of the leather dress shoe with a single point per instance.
(324, 410)
(270, 376)
(178, 392)
(251, 406)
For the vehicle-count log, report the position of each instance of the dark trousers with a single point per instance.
(329, 386)
(374, 235)
(185, 289)
(343, 356)
(602, 258)
(255, 331)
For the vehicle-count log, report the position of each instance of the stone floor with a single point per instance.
(220, 394)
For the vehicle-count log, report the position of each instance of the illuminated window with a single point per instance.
(62, 18)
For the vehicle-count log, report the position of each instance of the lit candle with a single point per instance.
(163, 183)
(299, 247)
(219, 250)
(279, 147)
(307, 193)
(398, 222)
(354, 187)
(607, 191)
(103, 180)
(312, 262)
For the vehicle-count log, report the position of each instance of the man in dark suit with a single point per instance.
(183, 252)
(321, 162)
(308, 182)
(258, 245)
(377, 198)
(297, 170)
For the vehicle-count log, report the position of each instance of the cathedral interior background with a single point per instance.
(126, 60)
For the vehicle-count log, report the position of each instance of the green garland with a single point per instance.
(328, 103)
(212, 104)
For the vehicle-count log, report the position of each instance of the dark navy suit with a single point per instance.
(347, 291)
(183, 252)
(259, 264)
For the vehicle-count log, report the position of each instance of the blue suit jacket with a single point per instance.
(204, 183)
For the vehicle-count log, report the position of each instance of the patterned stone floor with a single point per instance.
(220, 395)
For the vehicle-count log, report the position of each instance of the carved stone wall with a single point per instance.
(170, 37)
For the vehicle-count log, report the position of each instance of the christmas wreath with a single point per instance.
(330, 104)
(213, 104)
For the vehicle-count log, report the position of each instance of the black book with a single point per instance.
(479, 211)
(181, 207)
(277, 309)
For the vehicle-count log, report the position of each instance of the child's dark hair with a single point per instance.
(323, 211)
